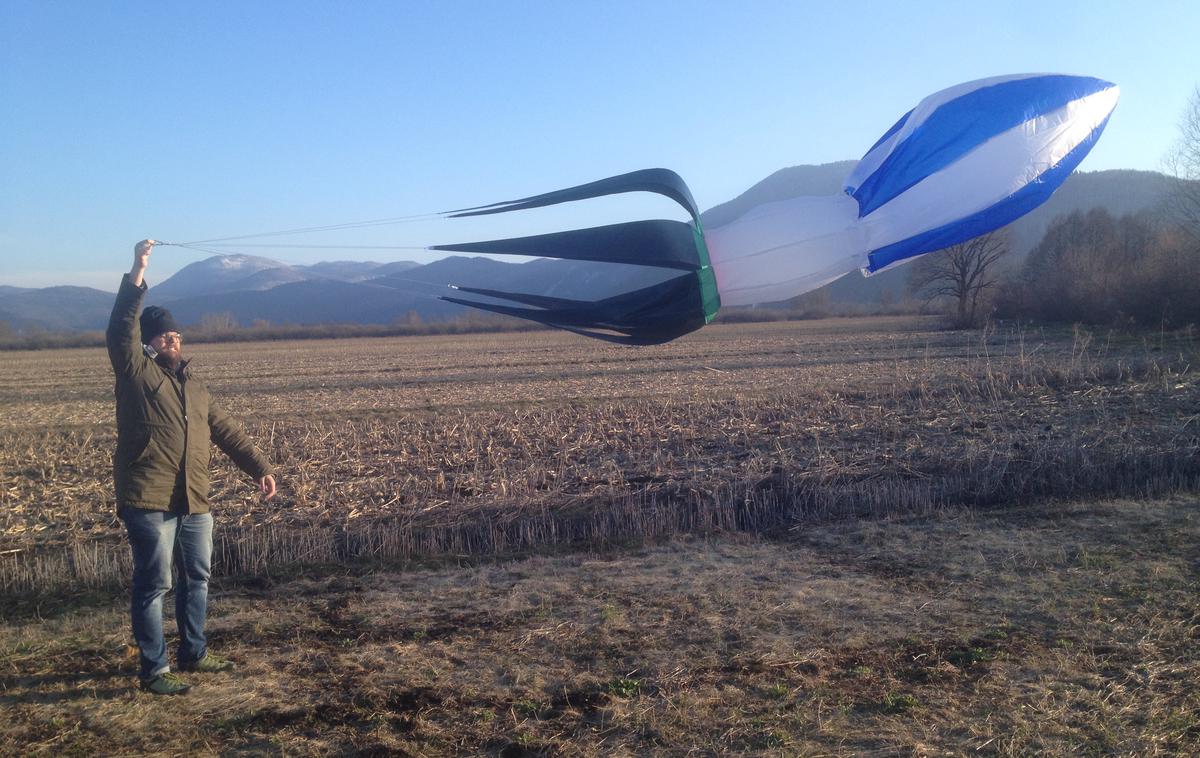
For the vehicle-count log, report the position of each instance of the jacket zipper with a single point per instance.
(183, 463)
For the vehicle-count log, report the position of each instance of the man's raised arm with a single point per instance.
(122, 339)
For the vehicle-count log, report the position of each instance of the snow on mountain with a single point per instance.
(221, 273)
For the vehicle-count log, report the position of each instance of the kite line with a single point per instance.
(227, 246)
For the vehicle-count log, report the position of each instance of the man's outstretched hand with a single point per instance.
(266, 486)
(141, 259)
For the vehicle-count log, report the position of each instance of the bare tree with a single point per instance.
(212, 323)
(1184, 163)
(961, 273)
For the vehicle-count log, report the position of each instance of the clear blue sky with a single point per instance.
(191, 120)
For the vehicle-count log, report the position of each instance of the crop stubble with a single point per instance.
(444, 446)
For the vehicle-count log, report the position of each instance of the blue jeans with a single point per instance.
(158, 539)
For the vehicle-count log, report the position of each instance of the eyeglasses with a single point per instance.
(171, 337)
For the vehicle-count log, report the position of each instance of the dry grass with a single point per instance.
(1050, 630)
(478, 445)
(950, 617)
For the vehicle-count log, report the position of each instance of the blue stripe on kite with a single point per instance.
(962, 124)
(895, 128)
(847, 188)
(993, 217)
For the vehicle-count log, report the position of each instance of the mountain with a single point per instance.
(221, 273)
(557, 278)
(396, 267)
(385, 299)
(252, 288)
(356, 271)
(314, 302)
(345, 271)
(786, 183)
(265, 279)
(1120, 192)
(56, 308)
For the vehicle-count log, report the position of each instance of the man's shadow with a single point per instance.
(94, 684)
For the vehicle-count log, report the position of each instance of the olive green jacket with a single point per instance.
(166, 423)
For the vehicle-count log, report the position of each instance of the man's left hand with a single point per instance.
(266, 485)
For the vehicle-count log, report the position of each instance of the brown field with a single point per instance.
(841, 537)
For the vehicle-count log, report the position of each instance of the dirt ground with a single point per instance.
(1045, 629)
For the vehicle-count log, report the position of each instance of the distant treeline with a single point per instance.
(1095, 268)
(221, 327)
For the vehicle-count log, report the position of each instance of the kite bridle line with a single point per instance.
(224, 249)
(310, 229)
(222, 245)
(658, 181)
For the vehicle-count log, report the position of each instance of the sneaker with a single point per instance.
(209, 664)
(167, 683)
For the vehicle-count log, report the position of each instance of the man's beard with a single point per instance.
(169, 359)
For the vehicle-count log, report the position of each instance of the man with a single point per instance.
(165, 423)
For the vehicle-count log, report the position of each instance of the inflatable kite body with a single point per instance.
(965, 161)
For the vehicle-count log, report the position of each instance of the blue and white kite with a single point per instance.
(965, 161)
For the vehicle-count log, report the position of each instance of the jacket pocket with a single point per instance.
(145, 445)
(141, 447)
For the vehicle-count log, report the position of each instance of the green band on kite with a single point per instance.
(710, 298)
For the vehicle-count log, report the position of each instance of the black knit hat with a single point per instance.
(156, 320)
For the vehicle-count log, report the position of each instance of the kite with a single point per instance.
(963, 162)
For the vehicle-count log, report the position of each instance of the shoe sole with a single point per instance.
(166, 694)
(188, 670)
